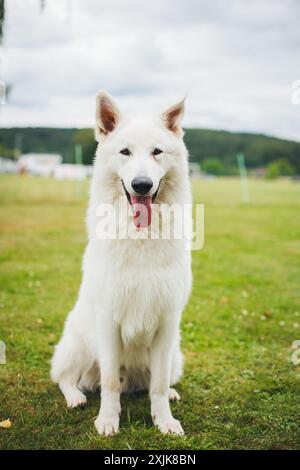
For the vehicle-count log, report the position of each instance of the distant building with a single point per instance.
(69, 171)
(194, 170)
(8, 166)
(39, 164)
(259, 172)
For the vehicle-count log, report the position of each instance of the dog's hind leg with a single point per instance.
(173, 395)
(74, 397)
(69, 362)
(176, 372)
(90, 379)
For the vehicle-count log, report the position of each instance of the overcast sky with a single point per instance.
(236, 60)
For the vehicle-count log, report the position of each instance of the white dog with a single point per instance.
(123, 333)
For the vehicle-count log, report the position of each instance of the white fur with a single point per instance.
(125, 322)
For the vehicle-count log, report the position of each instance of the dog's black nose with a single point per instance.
(141, 184)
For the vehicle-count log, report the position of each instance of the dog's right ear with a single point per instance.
(107, 114)
(172, 117)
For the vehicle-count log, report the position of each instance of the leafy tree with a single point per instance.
(212, 166)
(5, 152)
(280, 167)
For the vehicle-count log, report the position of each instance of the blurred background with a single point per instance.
(238, 65)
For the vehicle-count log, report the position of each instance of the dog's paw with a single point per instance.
(173, 395)
(108, 426)
(171, 426)
(76, 398)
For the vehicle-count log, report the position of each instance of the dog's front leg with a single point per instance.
(109, 346)
(160, 364)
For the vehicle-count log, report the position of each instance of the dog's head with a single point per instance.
(142, 153)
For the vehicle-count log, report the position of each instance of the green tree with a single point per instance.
(281, 167)
(212, 166)
(5, 152)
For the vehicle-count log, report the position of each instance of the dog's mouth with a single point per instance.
(142, 207)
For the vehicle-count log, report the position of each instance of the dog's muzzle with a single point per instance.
(141, 203)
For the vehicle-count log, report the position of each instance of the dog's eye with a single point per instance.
(125, 152)
(156, 151)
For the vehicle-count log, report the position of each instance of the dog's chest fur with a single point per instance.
(146, 286)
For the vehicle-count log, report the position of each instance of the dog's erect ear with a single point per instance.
(107, 114)
(172, 117)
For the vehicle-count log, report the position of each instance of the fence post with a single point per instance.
(78, 161)
(243, 177)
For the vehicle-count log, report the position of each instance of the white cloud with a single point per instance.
(236, 61)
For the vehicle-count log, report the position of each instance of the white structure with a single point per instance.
(40, 164)
(194, 170)
(69, 171)
(8, 166)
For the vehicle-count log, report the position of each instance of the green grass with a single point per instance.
(240, 389)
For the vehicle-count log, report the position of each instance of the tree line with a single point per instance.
(214, 150)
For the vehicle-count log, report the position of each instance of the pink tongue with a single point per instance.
(141, 210)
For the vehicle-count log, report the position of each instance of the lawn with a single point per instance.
(240, 389)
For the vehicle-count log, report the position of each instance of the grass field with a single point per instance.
(240, 389)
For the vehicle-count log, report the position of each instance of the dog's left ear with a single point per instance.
(107, 114)
(172, 117)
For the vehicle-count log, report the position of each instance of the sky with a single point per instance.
(235, 60)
